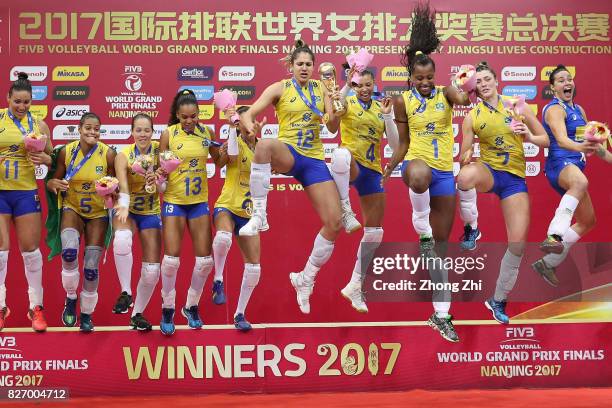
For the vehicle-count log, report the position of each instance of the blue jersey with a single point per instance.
(574, 125)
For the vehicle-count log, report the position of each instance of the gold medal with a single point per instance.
(325, 118)
(150, 188)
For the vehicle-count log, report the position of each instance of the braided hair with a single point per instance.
(423, 38)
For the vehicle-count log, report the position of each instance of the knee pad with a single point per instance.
(92, 257)
(70, 246)
(70, 281)
(170, 265)
(203, 265)
(341, 160)
(468, 209)
(32, 260)
(252, 272)
(90, 274)
(223, 240)
(122, 244)
(89, 300)
(150, 273)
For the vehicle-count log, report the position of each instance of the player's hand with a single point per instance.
(386, 174)
(40, 158)
(122, 213)
(588, 147)
(56, 185)
(466, 158)
(386, 105)
(257, 126)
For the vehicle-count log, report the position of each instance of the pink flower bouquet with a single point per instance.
(465, 79)
(105, 187)
(359, 61)
(515, 107)
(142, 164)
(225, 100)
(169, 162)
(35, 142)
(596, 132)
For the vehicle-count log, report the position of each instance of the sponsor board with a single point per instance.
(243, 92)
(530, 150)
(133, 96)
(69, 112)
(206, 112)
(71, 93)
(236, 73)
(195, 73)
(518, 73)
(202, 92)
(529, 91)
(391, 74)
(269, 131)
(39, 93)
(35, 73)
(532, 168)
(70, 73)
(39, 111)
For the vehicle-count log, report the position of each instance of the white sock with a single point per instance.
(201, 270)
(221, 246)
(372, 236)
(569, 238)
(149, 276)
(563, 215)
(33, 263)
(420, 212)
(89, 300)
(169, 269)
(508, 272)
(441, 309)
(3, 265)
(250, 278)
(122, 249)
(342, 181)
(321, 252)
(468, 208)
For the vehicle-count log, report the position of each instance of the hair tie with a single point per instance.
(418, 53)
(185, 92)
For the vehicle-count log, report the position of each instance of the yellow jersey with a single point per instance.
(188, 184)
(141, 202)
(298, 125)
(236, 195)
(431, 128)
(361, 130)
(81, 196)
(500, 147)
(16, 171)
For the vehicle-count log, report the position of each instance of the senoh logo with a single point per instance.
(76, 73)
(35, 73)
(395, 74)
(71, 92)
(69, 112)
(546, 71)
(236, 73)
(518, 73)
(194, 73)
(243, 92)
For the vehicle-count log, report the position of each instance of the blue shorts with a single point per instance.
(307, 170)
(239, 222)
(368, 181)
(19, 202)
(506, 184)
(554, 167)
(146, 221)
(442, 182)
(185, 210)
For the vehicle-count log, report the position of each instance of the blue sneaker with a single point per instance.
(167, 323)
(86, 325)
(218, 293)
(241, 323)
(69, 314)
(469, 238)
(193, 317)
(498, 309)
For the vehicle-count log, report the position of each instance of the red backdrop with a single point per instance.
(136, 58)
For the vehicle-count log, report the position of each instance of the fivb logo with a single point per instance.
(35, 73)
(520, 332)
(8, 342)
(133, 81)
(69, 112)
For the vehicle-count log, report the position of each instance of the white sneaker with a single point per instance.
(349, 221)
(256, 224)
(353, 293)
(303, 291)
